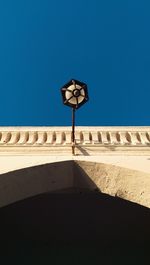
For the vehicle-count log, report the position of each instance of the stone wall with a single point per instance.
(116, 159)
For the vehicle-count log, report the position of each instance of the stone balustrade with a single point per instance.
(53, 136)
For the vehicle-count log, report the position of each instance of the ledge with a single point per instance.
(89, 140)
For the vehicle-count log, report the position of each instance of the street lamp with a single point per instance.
(74, 95)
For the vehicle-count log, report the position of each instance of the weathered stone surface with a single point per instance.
(117, 181)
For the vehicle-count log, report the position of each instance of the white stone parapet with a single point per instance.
(84, 135)
(47, 136)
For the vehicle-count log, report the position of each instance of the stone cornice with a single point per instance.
(89, 140)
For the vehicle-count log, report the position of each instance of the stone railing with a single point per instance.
(53, 136)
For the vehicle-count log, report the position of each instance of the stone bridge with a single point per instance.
(115, 159)
(46, 192)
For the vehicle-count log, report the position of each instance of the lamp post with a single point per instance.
(74, 95)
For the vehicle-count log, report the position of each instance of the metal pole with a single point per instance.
(73, 131)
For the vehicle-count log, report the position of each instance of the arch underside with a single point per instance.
(74, 200)
(75, 176)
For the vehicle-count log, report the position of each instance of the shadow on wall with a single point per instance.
(59, 201)
(28, 182)
(75, 215)
(75, 228)
(71, 223)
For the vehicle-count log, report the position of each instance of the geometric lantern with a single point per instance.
(74, 94)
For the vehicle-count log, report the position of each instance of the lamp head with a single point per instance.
(74, 94)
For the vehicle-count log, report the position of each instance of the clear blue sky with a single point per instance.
(45, 43)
